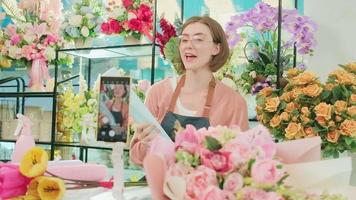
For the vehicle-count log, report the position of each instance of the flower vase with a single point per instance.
(81, 43)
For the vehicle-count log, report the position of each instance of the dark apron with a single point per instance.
(169, 121)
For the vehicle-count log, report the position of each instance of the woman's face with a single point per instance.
(197, 47)
(119, 90)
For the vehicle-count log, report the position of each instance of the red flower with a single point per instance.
(145, 13)
(135, 24)
(115, 26)
(105, 28)
(127, 3)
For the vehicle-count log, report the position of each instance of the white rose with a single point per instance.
(130, 16)
(50, 53)
(116, 12)
(75, 20)
(85, 31)
(89, 15)
(253, 74)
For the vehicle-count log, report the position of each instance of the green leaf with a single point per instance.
(264, 58)
(325, 95)
(212, 144)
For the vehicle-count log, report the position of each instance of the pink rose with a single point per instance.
(199, 180)
(15, 39)
(127, 3)
(179, 169)
(144, 13)
(258, 194)
(12, 182)
(114, 26)
(105, 28)
(266, 171)
(188, 140)
(51, 39)
(212, 193)
(241, 151)
(219, 161)
(135, 24)
(144, 85)
(264, 141)
(233, 182)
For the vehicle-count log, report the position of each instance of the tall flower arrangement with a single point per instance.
(306, 108)
(258, 28)
(131, 18)
(32, 41)
(83, 22)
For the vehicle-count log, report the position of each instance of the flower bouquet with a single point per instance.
(131, 18)
(306, 108)
(141, 88)
(83, 22)
(223, 163)
(258, 30)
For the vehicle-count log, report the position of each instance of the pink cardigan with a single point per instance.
(228, 108)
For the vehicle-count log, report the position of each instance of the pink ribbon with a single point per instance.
(38, 74)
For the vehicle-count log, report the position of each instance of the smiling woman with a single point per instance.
(194, 98)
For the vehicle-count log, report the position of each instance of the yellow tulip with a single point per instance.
(32, 187)
(34, 163)
(27, 197)
(51, 188)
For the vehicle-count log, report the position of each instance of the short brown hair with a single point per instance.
(218, 36)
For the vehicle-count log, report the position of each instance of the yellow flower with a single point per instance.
(312, 90)
(294, 130)
(265, 91)
(51, 188)
(323, 110)
(351, 111)
(321, 120)
(34, 162)
(347, 79)
(333, 136)
(293, 72)
(348, 128)
(304, 119)
(32, 187)
(351, 67)
(284, 116)
(27, 197)
(340, 106)
(286, 96)
(275, 121)
(304, 78)
(272, 104)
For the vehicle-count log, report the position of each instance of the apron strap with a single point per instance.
(209, 98)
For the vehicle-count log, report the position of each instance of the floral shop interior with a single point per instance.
(178, 99)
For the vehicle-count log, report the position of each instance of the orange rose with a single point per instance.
(272, 104)
(305, 111)
(304, 78)
(351, 111)
(294, 130)
(294, 119)
(353, 98)
(321, 120)
(290, 107)
(309, 132)
(295, 93)
(340, 106)
(286, 96)
(265, 91)
(333, 136)
(312, 90)
(323, 110)
(348, 128)
(347, 79)
(329, 86)
(284, 116)
(275, 121)
(331, 124)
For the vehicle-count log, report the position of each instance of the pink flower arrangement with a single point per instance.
(132, 18)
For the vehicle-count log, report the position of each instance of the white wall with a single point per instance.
(336, 36)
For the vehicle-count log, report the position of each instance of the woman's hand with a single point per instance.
(145, 132)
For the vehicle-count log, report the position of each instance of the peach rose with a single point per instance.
(296, 92)
(353, 98)
(333, 136)
(313, 90)
(290, 107)
(259, 108)
(329, 86)
(331, 124)
(265, 91)
(351, 67)
(321, 120)
(272, 104)
(305, 111)
(305, 119)
(294, 130)
(347, 79)
(294, 119)
(286, 96)
(284, 116)
(351, 111)
(293, 72)
(323, 110)
(338, 118)
(275, 121)
(309, 132)
(304, 78)
(340, 106)
(348, 128)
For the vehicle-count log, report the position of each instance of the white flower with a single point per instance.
(253, 74)
(50, 53)
(116, 12)
(89, 15)
(14, 52)
(85, 31)
(131, 15)
(75, 20)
